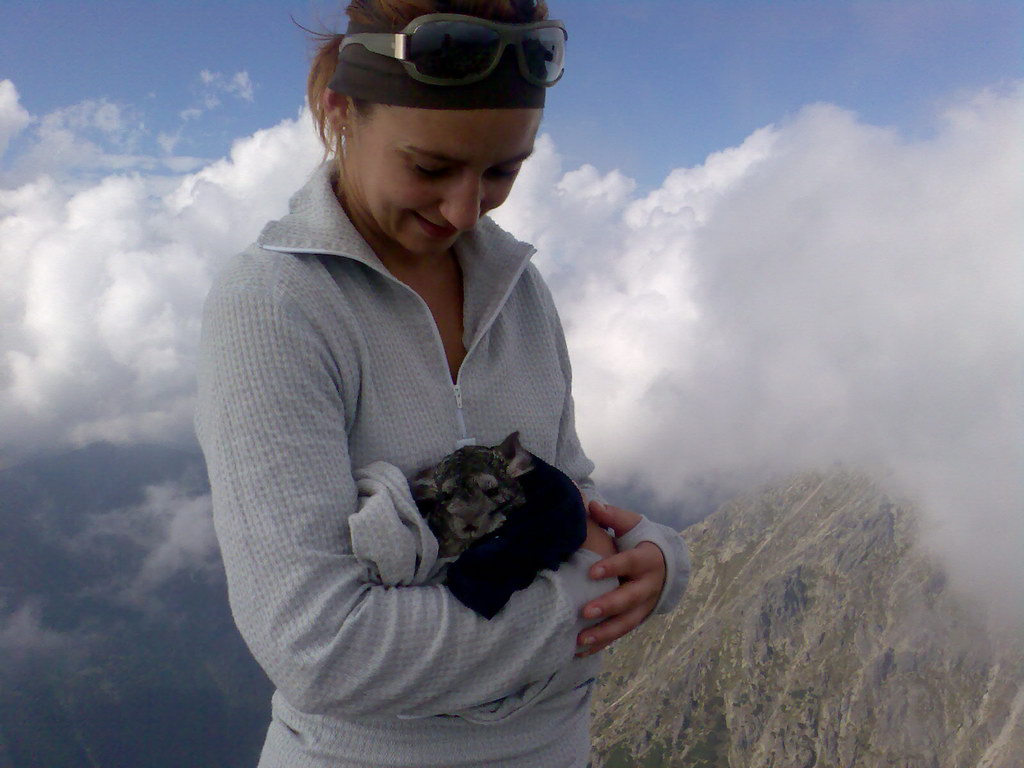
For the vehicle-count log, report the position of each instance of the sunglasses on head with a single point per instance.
(453, 49)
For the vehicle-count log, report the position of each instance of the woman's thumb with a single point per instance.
(619, 520)
(596, 508)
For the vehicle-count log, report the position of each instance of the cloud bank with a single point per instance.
(101, 288)
(826, 291)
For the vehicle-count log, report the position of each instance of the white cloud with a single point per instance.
(823, 248)
(828, 291)
(81, 143)
(213, 85)
(13, 117)
(101, 288)
(99, 136)
(22, 634)
(239, 85)
(169, 534)
(168, 141)
(187, 540)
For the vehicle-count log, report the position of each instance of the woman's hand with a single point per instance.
(598, 540)
(641, 573)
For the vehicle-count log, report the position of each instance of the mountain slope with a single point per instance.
(816, 632)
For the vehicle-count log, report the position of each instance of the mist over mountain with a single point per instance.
(116, 642)
(818, 630)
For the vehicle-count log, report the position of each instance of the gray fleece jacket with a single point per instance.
(315, 361)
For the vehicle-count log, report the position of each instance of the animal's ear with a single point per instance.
(519, 459)
(423, 485)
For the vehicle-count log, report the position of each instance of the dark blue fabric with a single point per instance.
(543, 533)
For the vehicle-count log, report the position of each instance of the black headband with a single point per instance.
(383, 80)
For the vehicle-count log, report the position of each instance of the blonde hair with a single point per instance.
(394, 15)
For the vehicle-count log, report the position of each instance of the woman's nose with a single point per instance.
(461, 206)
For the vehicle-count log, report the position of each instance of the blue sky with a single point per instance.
(650, 85)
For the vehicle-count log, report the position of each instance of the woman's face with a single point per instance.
(413, 180)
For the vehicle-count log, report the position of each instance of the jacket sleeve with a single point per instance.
(569, 456)
(271, 421)
(575, 463)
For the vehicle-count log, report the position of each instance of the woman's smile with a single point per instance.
(433, 230)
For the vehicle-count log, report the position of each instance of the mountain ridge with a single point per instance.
(816, 631)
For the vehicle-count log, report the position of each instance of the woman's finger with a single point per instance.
(640, 585)
(600, 636)
(619, 520)
(621, 599)
(633, 562)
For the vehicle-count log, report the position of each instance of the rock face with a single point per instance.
(815, 632)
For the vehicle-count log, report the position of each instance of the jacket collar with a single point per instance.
(491, 259)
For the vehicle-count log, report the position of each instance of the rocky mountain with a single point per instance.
(816, 632)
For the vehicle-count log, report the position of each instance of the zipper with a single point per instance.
(484, 327)
(464, 438)
(460, 417)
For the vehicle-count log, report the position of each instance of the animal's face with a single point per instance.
(467, 494)
(475, 505)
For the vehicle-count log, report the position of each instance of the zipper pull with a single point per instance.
(465, 439)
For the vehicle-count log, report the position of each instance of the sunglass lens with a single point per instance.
(544, 52)
(453, 49)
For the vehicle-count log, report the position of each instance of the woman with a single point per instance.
(387, 319)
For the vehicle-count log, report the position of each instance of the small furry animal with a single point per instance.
(467, 494)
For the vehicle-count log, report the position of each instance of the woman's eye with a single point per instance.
(502, 173)
(436, 173)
